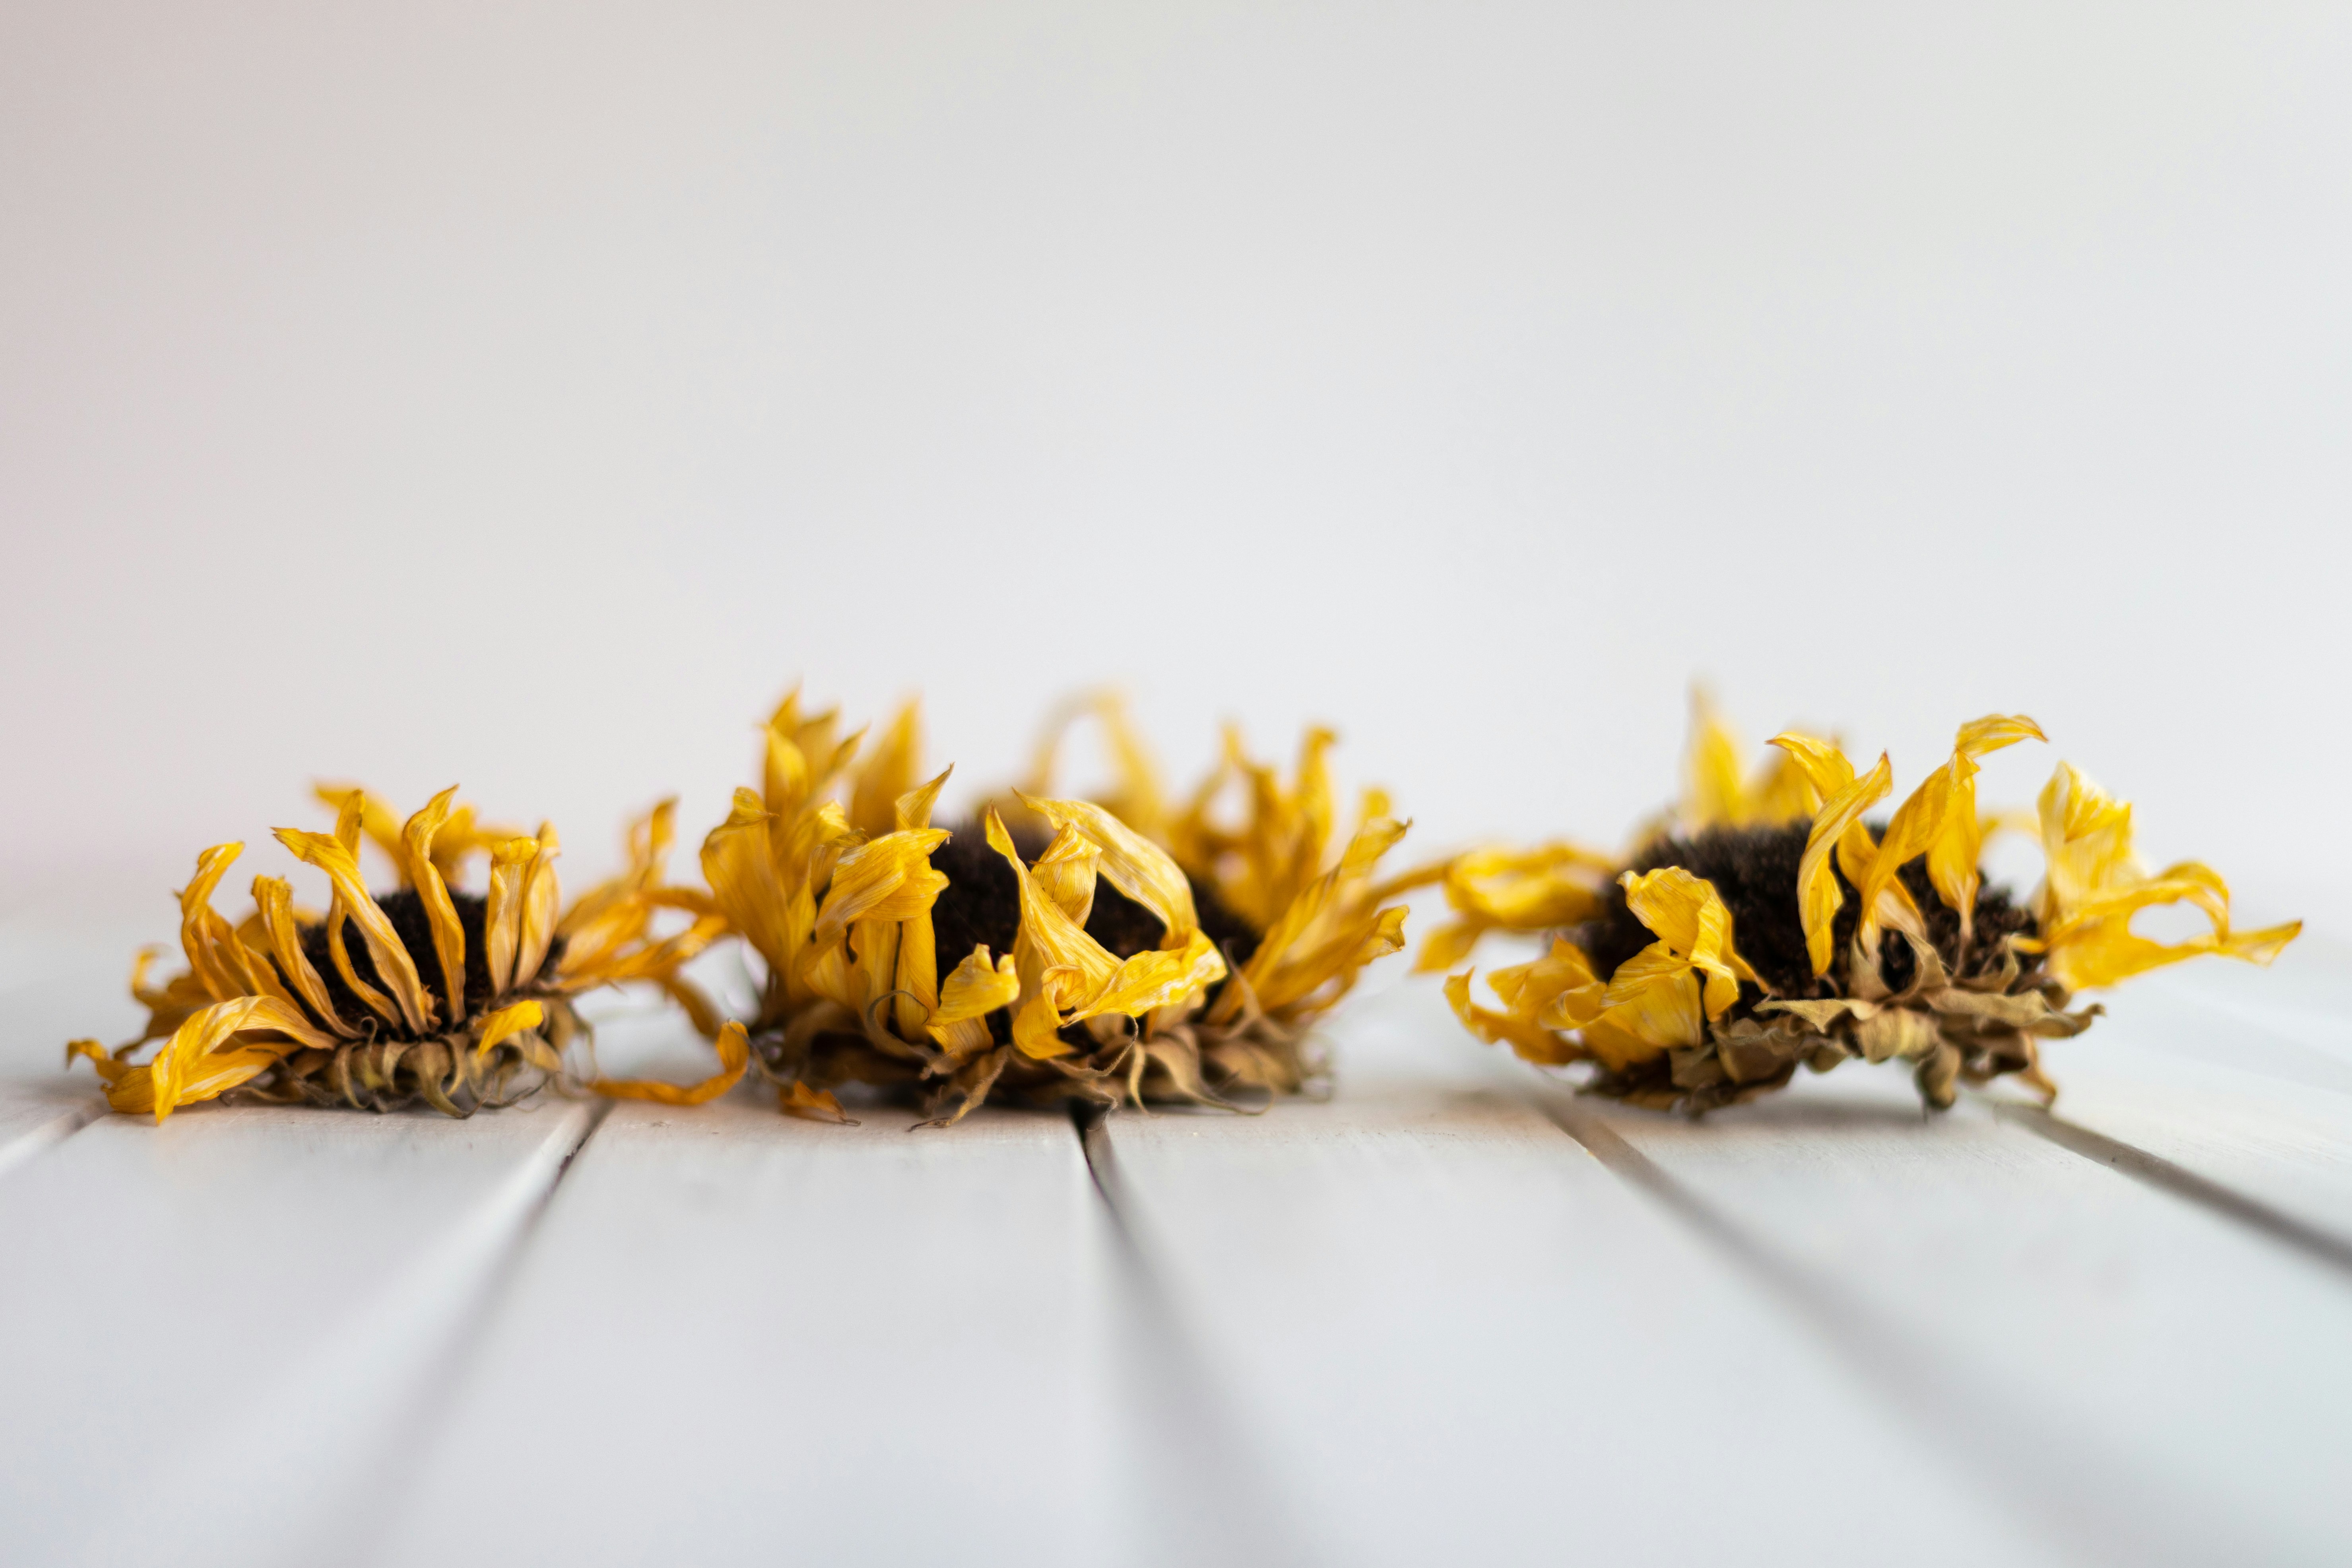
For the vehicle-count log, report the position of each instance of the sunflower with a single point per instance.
(457, 999)
(1765, 924)
(1052, 949)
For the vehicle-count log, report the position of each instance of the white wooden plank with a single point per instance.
(2313, 979)
(1444, 1331)
(53, 987)
(2229, 1030)
(2161, 1382)
(218, 1327)
(742, 1338)
(36, 1114)
(2270, 1153)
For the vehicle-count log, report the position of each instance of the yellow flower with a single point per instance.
(426, 992)
(1750, 936)
(1119, 949)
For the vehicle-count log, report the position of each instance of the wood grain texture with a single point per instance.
(1445, 1332)
(217, 1326)
(743, 1338)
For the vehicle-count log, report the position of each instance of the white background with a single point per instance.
(524, 395)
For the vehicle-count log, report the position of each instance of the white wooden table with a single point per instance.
(1455, 1314)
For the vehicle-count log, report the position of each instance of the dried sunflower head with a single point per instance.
(426, 992)
(1052, 949)
(1765, 924)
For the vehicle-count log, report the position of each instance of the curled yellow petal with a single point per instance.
(186, 1070)
(511, 863)
(1941, 812)
(1955, 854)
(1066, 872)
(744, 882)
(1529, 1040)
(1134, 864)
(542, 898)
(507, 1022)
(1061, 943)
(888, 879)
(357, 812)
(975, 987)
(1154, 980)
(1818, 896)
(1036, 1029)
(384, 944)
(1688, 915)
(734, 1049)
(274, 900)
(440, 910)
(1655, 997)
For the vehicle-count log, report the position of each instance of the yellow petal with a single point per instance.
(1688, 915)
(889, 774)
(1544, 889)
(1525, 1037)
(181, 1073)
(1824, 765)
(1036, 1026)
(1954, 855)
(1558, 990)
(376, 1001)
(1134, 864)
(890, 878)
(1655, 997)
(542, 898)
(1136, 800)
(913, 809)
(440, 912)
(383, 945)
(506, 1021)
(1060, 942)
(1372, 934)
(1448, 944)
(510, 862)
(918, 975)
(975, 987)
(1153, 980)
(1713, 791)
(745, 884)
(1818, 896)
(1942, 808)
(734, 1056)
(1066, 872)
(197, 921)
(274, 900)
(359, 812)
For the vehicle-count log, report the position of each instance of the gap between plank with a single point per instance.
(2330, 1251)
(48, 1134)
(410, 1436)
(1229, 1512)
(2040, 1470)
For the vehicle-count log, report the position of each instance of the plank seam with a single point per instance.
(411, 1437)
(1182, 1392)
(50, 1133)
(2330, 1251)
(2037, 1470)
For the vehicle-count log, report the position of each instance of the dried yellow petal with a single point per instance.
(734, 1050)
